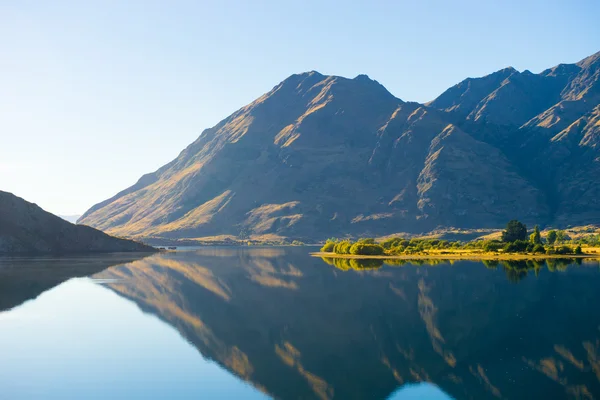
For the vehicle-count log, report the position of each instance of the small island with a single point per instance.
(515, 243)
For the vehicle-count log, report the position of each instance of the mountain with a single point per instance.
(321, 156)
(297, 328)
(26, 228)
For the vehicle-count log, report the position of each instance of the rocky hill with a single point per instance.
(27, 229)
(322, 156)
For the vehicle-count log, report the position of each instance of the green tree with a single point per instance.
(328, 247)
(515, 230)
(551, 238)
(366, 249)
(561, 236)
(342, 247)
(492, 245)
(536, 237)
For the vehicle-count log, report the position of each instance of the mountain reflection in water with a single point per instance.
(296, 327)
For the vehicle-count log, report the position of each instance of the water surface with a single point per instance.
(274, 322)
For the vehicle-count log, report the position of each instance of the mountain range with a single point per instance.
(321, 156)
(27, 229)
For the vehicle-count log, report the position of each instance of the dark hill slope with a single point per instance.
(26, 228)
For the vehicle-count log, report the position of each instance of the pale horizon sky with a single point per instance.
(95, 94)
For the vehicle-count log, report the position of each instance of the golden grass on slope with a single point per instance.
(199, 215)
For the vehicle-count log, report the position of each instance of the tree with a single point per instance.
(342, 247)
(515, 230)
(366, 249)
(535, 237)
(551, 238)
(561, 236)
(328, 247)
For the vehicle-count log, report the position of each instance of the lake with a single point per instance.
(258, 322)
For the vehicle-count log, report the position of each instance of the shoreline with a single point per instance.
(459, 256)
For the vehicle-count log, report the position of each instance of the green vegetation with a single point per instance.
(561, 237)
(515, 231)
(589, 240)
(551, 238)
(515, 240)
(366, 249)
(328, 247)
(536, 237)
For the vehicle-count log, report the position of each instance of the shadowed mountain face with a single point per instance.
(296, 327)
(319, 155)
(27, 229)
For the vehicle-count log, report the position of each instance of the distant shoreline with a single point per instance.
(459, 256)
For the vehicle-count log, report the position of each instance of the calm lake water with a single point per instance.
(254, 323)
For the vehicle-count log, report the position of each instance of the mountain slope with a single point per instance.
(26, 228)
(324, 155)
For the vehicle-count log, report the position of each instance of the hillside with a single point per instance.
(321, 156)
(27, 229)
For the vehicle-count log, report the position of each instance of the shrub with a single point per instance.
(564, 250)
(578, 250)
(550, 250)
(366, 249)
(516, 246)
(394, 242)
(396, 250)
(443, 244)
(492, 245)
(342, 247)
(529, 248)
(538, 248)
(328, 247)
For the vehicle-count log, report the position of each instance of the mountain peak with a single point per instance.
(323, 154)
(311, 73)
(363, 77)
(507, 69)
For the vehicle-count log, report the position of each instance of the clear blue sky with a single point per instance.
(93, 94)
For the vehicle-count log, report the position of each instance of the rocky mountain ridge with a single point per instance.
(322, 156)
